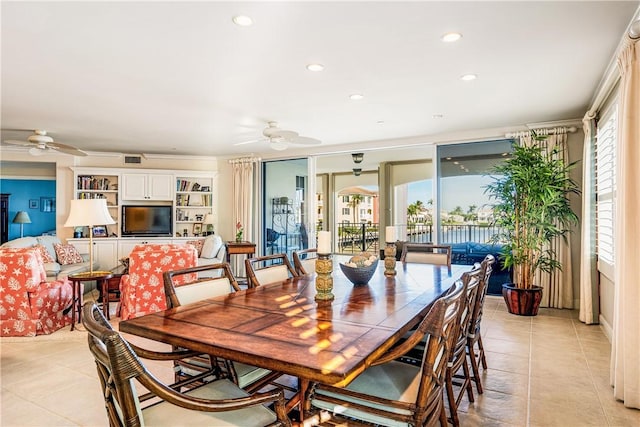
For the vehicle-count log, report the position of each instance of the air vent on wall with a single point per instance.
(132, 159)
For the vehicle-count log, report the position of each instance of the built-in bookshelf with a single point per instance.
(194, 200)
(100, 186)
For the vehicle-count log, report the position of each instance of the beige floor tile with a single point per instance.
(518, 364)
(16, 411)
(492, 405)
(563, 414)
(52, 380)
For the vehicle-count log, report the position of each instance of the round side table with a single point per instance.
(99, 276)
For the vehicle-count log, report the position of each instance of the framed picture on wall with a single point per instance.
(99, 231)
(34, 204)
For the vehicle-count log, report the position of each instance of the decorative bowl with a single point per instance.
(359, 275)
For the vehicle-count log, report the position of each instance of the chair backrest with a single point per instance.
(471, 281)
(476, 314)
(440, 326)
(118, 366)
(425, 253)
(202, 289)
(304, 261)
(142, 290)
(269, 269)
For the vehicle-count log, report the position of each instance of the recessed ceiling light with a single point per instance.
(380, 122)
(505, 154)
(242, 20)
(315, 67)
(451, 37)
(469, 77)
(356, 96)
(448, 158)
(456, 163)
(437, 116)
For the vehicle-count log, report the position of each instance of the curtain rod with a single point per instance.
(245, 160)
(543, 131)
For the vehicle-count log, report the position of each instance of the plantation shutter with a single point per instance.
(605, 178)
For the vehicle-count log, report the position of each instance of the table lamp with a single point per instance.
(208, 221)
(89, 213)
(22, 218)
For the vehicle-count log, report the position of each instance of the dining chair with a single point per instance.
(206, 367)
(216, 403)
(426, 253)
(474, 335)
(268, 269)
(304, 261)
(458, 357)
(393, 393)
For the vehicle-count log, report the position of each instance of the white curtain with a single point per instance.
(243, 211)
(589, 303)
(558, 288)
(625, 351)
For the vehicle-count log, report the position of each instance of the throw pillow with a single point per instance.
(67, 254)
(211, 246)
(198, 245)
(46, 256)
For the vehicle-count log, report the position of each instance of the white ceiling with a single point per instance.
(181, 78)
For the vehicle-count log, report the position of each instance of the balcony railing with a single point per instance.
(357, 237)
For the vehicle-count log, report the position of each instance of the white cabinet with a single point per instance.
(105, 251)
(126, 245)
(138, 186)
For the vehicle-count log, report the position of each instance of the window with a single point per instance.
(605, 179)
(346, 211)
(345, 199)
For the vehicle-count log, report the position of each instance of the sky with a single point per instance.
(462, 191)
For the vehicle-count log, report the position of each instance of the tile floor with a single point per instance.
(549, 370)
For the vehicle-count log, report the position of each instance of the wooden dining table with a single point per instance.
(281, 327)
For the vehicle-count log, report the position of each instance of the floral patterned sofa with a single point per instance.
(55, 266)
(142, 290)
(29, 305)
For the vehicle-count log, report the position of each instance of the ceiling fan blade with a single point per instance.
(250, 141)
(15, 142)
(304, 140)
(272, 132)
(66, 149)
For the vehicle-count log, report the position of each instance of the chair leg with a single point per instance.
(475, 368)
(443, 417)
(467, 382)
(481, 347)
(451, 397)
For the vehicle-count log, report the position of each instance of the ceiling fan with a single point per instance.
(41, 143)
(279, 139)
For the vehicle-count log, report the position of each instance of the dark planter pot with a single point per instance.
(523, 302)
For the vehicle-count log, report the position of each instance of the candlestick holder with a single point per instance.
(390, 259)
(324, 281)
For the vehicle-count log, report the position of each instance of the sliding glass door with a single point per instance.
(285, 216)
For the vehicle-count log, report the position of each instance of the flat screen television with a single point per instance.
(149, 221)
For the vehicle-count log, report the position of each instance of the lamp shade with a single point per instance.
(88, 212)
(22, 218)
(208, 219)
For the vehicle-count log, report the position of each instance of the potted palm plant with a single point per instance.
(531, 192)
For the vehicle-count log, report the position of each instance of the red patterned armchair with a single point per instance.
(142, 290)
(29, 305)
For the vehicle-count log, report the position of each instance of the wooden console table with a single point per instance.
(240, 248)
